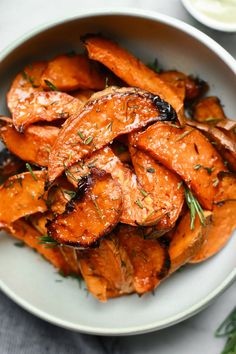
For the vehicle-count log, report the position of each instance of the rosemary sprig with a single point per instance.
(194, 207)
(228, 329)
(151, 170)
(72, 194)
(29, 168)
(154, 66)
(48, 240)
(187, 132)
(50, 85)
(29, 78)
(138, 202)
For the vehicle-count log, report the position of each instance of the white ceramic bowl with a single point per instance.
(30, 281)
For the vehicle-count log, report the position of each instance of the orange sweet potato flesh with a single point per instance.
(21, 195)
(25, 83)
(223, 219)
(138, 209)
(208, 108)
(193, 87)
(161, 184)
(70, 73)
(46, 107)
(33, 145)
(149, 259)
(185, 243)
(130, 69)
(107, 115)
(223, 224)
(222, 142)
(106, 270)
(21, 230)
(187, 152)
(91, 214)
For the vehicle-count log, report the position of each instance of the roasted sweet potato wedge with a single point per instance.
(193, 87)
(227, 188)
(92, 213)
(33, 145)
(208, 110)
(68, 73)
(138, 208)
(130, 69)
(112, 113)
(187, 152)
(25, 83)
(185, 243)
(44, 106)
(220, 231)
(21, 195)
(222, 142)
(106, 269)
(21, 230)
(161, 184)
(149, 259)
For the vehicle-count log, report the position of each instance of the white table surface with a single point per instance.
(196, 335)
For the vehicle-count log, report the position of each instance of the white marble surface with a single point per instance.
(195, 335)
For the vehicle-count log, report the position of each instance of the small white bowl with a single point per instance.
(208, 21)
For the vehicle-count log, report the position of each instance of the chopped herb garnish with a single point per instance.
(208, 169)
(144, 192)
(19, 244)
(216, 182)
(194, 207)
(228, 329)
(139, 203)
(213, 120)
(48, 240)
(196, 167)
(98, 210)
(109, 126)
(154, 66)
(179, 185)
(88, 140)
(151, 170)
(29, 168)
(81, 135)
(177, 126)
(70, 174)
(29, 79)
(184, 134)
(50, 85)
(72, 194)
(106, 82)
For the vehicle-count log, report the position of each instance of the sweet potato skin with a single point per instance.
(185, 151)
(112, 113)
(68, 73)
(130, 69)
(185, 243)
(91, 214)
(150, 260)
(44, 106)
(25, 83)
(21, 230)
(34, 145)
(21, 195)
(138, 209)
(161, 184)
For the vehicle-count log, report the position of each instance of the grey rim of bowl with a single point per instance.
(226, 58)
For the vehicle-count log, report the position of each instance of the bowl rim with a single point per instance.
(206, 20)
(231, 63)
